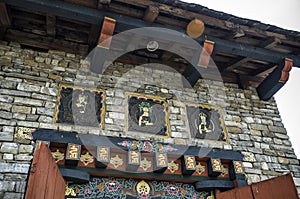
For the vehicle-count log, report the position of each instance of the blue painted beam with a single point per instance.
(272, 83)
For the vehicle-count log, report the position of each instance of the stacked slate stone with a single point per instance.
(29, 82)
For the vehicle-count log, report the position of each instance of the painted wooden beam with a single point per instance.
(275, 80)
(75, 175)
(93, 140)
(94, 16)
(214, 184)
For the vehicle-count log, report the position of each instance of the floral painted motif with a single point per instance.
(172, 189)
(146, 146)
(112, 185)
(119, 188)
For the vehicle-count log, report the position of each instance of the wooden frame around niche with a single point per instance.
(221, 122)
(140, 131)
(82, 88)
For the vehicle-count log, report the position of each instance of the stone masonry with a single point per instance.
(29, 83)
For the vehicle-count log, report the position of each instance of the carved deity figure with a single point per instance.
(81, 103)
(203, 124)
(144, 119)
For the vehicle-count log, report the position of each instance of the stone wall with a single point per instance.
(28, 95)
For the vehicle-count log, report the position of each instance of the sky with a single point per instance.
(284, 14)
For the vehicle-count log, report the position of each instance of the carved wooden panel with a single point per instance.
(80, 106)
(205, 122)
(147, 114)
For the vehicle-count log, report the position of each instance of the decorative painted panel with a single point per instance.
(147, 114)
(119, 188)
(80, 106)
(206, 122)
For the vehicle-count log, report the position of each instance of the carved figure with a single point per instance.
(144, 118)
(202, 126)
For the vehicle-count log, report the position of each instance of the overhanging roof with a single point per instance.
(74, 26)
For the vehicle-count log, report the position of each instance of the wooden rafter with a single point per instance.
(151, 13)
(222, 24)
(5, 21)
(268, 44)
(45, 42)
(51, 25)
(4, 15)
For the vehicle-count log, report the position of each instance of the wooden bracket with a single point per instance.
(108, 28)
(214, 167)
(103, 157)
(188, 165)
(73, 154)
(161, 162)
(275, 80)
(205, 54)
(133, 160)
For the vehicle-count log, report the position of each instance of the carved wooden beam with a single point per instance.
(151, 13)
(51, 23)
(275, 80)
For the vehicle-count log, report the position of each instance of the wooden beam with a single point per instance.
(276, 80)
(51, 23)
(95, 16)
(151, 13)
(4, 15)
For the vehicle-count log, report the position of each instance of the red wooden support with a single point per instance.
(206, 52)
(108, 28)
(276, 188)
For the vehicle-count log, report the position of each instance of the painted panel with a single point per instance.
(80, 106)
(102, 188)
(148, 115)
(205, 122)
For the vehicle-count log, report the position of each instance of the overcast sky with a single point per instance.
(284, 14)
